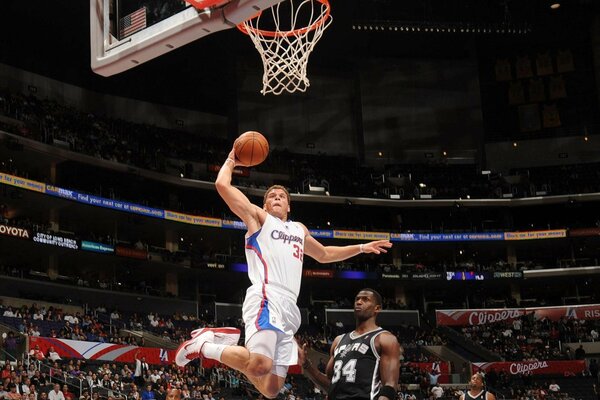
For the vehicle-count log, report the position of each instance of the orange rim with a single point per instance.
(201, 4)
(294, 32)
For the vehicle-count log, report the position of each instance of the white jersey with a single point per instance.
(274, 255)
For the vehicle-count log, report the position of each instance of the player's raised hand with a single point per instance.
(377, 246)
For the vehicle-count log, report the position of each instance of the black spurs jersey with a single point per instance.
(481, 396)
(356, 367)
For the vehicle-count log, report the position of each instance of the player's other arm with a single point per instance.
(389, 369)
(489, 396)
(237, 201)
(321, 380)
(328, 254)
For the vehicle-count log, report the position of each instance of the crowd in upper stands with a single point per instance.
(163, 150)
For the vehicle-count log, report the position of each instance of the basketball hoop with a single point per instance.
(284, 49)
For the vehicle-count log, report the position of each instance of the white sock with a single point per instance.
(213, 350)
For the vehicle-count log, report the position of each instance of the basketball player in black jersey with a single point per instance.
(365, 363)
(476, 390)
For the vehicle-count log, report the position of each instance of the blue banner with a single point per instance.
(97, 247)
(320, 233)
(446, 237)
(106, 203)
(356, 275)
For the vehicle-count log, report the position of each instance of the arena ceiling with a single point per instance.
(52, 38)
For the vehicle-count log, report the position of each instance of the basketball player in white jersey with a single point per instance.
(275, 247)
(476, 390)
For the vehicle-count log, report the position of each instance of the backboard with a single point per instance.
(127, 33)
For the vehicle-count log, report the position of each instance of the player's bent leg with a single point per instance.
(261, 346)
(269, 385)
(256, 359)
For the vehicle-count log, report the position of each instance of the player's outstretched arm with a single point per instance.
(321, 380)
(237, 201)
(389, 369)
(328, 254)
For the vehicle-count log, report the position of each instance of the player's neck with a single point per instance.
(283, 217)
(475, 392)
(365, 326)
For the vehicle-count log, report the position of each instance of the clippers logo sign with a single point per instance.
(534, 367)
(14, 232)
(492, 315)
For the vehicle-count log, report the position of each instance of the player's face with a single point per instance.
(365, 306)
(476, 382)
(277, 203)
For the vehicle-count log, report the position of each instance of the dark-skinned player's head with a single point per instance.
(367, 304)
(477, 381)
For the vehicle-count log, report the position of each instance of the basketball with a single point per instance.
(251, 148)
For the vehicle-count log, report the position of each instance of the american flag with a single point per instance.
(132, 23)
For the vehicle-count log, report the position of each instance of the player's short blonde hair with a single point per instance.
(289, 199)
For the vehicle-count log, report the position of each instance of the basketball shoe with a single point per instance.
(192, 349)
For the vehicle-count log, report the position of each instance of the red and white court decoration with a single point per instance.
(487, 316)
(78, 349)
(565, 368)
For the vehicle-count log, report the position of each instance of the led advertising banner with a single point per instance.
(81, 350)
(55, 240)
(484, 316)
(563, 368)
(97, 247)
(13, 231)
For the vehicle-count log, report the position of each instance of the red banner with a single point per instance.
(102, 351)
(578, 232)
(477, 316)
(130, 252)
(566, 368)
(585, 312)
(490, 315)
(441, 367)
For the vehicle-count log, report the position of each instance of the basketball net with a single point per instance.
(285, 49)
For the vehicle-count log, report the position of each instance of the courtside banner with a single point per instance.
(13, 231)
(534, 235)
(22, 183)
(565, 368)
(81, 350)
(446, 237)
(192, 219)
(358, 235)
(485, 316)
